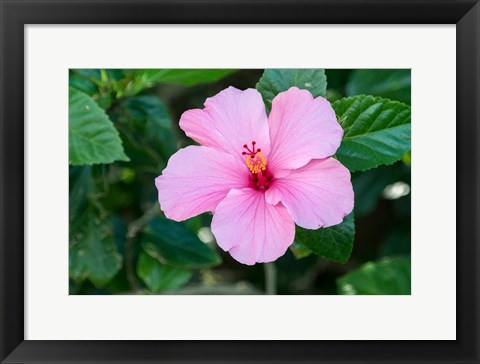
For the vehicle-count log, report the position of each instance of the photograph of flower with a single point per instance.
(234, 182)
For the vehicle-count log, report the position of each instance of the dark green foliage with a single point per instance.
(376, 131)
(160, 277)
(388, 83)
(123, 128)
(275, 81)
(92, 137)
(389, 276)
(334, 243)
(93, 253)
(172, 243)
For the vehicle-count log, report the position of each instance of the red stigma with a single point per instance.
(252, 151)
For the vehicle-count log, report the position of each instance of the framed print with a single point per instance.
(239, 181)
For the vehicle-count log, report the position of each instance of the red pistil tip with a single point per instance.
(251, 152)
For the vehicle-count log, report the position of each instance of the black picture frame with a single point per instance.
(15, 14)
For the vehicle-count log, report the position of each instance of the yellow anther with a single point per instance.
(256, 164)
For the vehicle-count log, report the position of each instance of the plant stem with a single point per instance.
(133, 229)
(135, 226)
(270, 278)
(130, 266)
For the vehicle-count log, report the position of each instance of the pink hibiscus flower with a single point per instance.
(259, 176)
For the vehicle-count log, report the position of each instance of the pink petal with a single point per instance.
(251, 230)
(196, 179)
(230, 119)
(301, 129)
(318, 194)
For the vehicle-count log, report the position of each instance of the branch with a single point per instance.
(133, 228)
(270, 278)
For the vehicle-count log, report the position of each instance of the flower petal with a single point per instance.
(196, 179)
(319, 194)
(230, 119)
(251, 230)
(301, 129)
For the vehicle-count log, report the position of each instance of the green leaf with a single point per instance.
(391, 84)
(104, 100)
(88, 73)
(187, 77)
(333, 243)
(82, 84)
(389, 276)
(299, 250)
(92, 137)
(376, 131)
(81, 186)
(92, 252)
(160, 277)
(147, 113)
(146, 119)
(275, 81)
(172, 243)
(407, 158)
(138, 80)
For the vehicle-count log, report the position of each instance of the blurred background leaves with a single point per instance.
(386, 276)
(124, 127)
